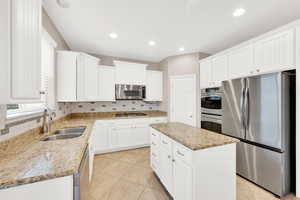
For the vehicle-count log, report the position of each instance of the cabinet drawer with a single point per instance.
(182, 153)
(154, 165)
(166, 142)
(155, 135)
(159, 120)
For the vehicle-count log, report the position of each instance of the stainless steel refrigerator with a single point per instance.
(257, 110)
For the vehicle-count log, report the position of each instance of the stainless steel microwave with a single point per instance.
(130, 92)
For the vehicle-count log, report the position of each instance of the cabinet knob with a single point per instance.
(169, 156)
(173, 160)
(258, 70)
(42, 92)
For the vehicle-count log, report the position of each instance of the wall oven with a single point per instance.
(211, 101)
(211, 109)
(211, 122)
(130, 92)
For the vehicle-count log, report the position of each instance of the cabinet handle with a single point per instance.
(153, 134)
(169, 156)
(173, 160)
(153, 154)
(164, 142)
(179, 153)
(42, 92)
(258, 70)
(153, 143)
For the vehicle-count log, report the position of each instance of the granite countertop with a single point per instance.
(191, 137)
(26, 159)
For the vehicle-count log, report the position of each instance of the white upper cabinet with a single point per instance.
(240, 62)
(219, 70)
(87, 78)
(154, 86)
(275, 53)
(106, 83)
(130, 73)
(20, 51)
(205, 74)
(77, 77)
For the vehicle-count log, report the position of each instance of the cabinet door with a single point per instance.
(130, 73)
(183, 188)
(240, 62)
(106, 83)
(87, 77)
(26, 50)
(205, 74)
(275, 53)
(100, 136)
(122, 136)
(219, 70)
(154, 86)
(141, 134)
(166, 169)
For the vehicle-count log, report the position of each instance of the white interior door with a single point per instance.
(183, 99)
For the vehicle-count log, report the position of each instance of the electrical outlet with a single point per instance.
(4, 131)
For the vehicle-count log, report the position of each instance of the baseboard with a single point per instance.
(121, 149)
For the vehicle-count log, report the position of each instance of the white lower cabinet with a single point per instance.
(120, 134)
(165, 170)
(182, 180)
(192, 175)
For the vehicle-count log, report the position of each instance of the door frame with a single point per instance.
(185, 76)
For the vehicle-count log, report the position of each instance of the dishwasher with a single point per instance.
(81, 178)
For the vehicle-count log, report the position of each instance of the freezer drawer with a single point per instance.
(264, 167)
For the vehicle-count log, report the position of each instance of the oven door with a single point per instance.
(211, 104)
(211, 122)
(130, 92)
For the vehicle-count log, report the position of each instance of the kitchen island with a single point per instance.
(194, 163)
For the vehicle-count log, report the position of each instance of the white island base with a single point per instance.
(204, 174)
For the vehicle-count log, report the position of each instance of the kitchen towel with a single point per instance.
(2, 116)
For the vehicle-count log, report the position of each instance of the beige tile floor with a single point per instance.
(127, 175)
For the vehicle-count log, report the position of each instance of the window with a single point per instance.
(47, 78)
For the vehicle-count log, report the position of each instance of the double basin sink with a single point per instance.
(66, 133)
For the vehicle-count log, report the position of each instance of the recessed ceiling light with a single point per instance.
(151, 43)
(239, 12)
(113, 35)
(181, 49)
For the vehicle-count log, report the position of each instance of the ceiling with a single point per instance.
(198, 25)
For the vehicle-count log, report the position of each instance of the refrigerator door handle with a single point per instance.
(242, 106)
(247, 106)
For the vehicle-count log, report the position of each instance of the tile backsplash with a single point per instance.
(113, 106)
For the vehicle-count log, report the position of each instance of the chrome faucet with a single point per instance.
(48, 118)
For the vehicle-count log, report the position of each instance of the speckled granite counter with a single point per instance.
(193, 138)
(26, 159)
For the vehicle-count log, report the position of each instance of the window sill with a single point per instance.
(23, 115)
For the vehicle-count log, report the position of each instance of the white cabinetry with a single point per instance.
(205, 73)
(219, 70)
(87, 77)
(154, 86)
(115, 135)
(275, 53)
(213, 71)
(77, 76)
(130, 73)
(240, 62)
(61, 189)
(193, 175)
(20, 51)
(106, 83)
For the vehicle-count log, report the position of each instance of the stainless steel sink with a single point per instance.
(71, 130)
(66, 133)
